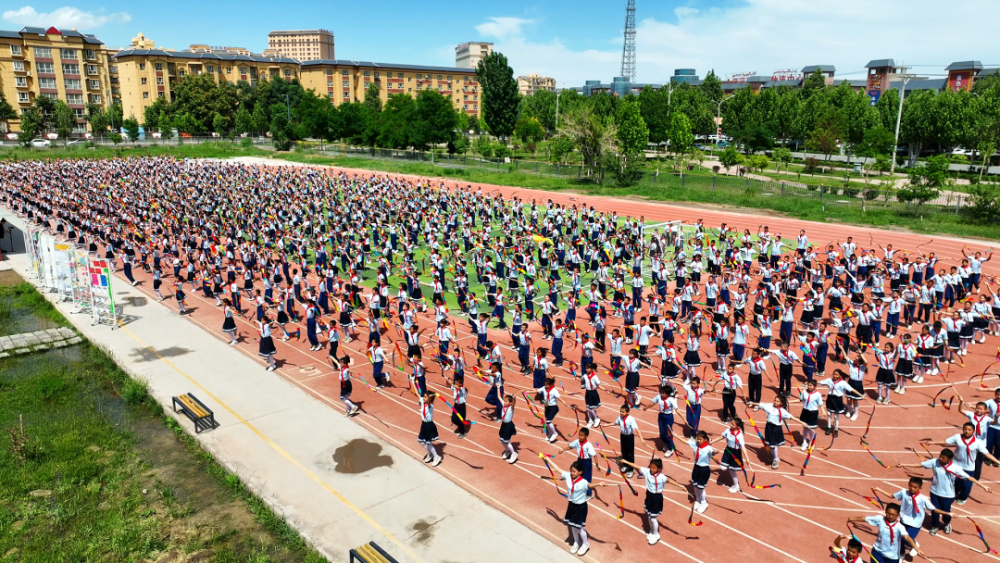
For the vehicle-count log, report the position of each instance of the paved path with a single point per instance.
(292, 449)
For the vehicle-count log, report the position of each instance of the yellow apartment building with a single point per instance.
(346, 81)
(143, 75)
(61, 64)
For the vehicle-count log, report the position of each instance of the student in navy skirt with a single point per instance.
(702, 469)
(655, 481)
(577, 493)
(774, 436)
(734, 456)
(428, 430)
(266, 349)
(507, 428)
(346, 387)
(591, 397)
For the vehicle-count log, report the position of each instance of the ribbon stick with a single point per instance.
(874, 492)
(812, 444)
(938, 394)
(553, 474)
(605, 460)
(691, 517)
(738, 464)
(460, 417)
(869, 425)
(982, 537)
(865, 446)
(621, 502)
(754, 424)
(851, 531)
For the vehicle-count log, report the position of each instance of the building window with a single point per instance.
(211, 69)
(343, 73)
(95, 98)
(449, 77)
(67, 54)
(90, 54)
(145, 95)
(329, 83)
(22, 97)
(347, 95)
(43, 53)
(243, 70)
(160, 95)
(288, 72)
(92, 70)
(74, 99)
(15, 50)
(439, 77)
(47, 83)
(159, 80)
(45, 68)
(329, 72)
(376, 74)
(181, 73)
(158, 66)
(71, 69)
(347, 83)
(94, 84)
(72, 84)
(229, 70)
(399, 75)
(142, 80)
(21, 81)
(79, 113)
(366, 73)
(142, 66)
(367, 84)
(18, 66)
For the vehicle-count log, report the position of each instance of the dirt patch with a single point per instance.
(10, 277)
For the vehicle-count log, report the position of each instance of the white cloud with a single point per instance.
(768, 35)
(64, 18)
(503, 27)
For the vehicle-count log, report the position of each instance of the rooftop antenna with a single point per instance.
(628, 52)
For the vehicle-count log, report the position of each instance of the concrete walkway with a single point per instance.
(335, 482)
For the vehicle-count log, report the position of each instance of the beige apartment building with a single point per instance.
(303, 44)
(468, 55)
(61, 64)
(346, 81)
(528, 85)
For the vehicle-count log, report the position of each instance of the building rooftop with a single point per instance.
(299, 31)
(965, 65)
(822, 68)
(881, 63)
(348, 62)
(87, 38)
(204, 56)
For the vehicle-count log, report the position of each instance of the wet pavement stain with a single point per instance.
(422, 530)
(358, 456)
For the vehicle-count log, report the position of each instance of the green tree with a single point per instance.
(98, 119)
(434, 122)
(220, 124)
(827, 135)
(925, 181)
(353, 121)
(395, 121)
(656, 113)
(816, 82)
(595, 137)
(7, 112)
(483, 146)
(244, 121)
(711, 86)
(115, 138)
(759, 161)
(632, 139)
(730, 157)
(542, 106)
(461, 144)
(258, 121)
(498, 94)
(783, 156)
(131, 126)
(529, 129)
(31, 124)
(165, 126)
(64, 120)
(559, 148)
(787, 114)
(373, 98)
(986, 151)
(681, 137)
(985, 204)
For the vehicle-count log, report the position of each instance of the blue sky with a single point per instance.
(570, 40)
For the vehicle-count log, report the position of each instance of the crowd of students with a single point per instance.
(684, 310)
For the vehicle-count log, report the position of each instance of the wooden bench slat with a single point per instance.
(194, 407)
(370, 555)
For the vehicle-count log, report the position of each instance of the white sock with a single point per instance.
(348, 403)
(592, 415)
(736, 477)
(699, 495)
(583, 537)
(774, 452)
(510, 448)
(654, 526)
(576, 534)
(431, 450)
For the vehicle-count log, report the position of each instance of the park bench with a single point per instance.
(370, 553)
(202, 416)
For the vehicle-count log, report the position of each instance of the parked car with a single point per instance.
(39, 143)
(75, 142)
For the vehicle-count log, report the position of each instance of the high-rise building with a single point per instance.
(302, 44)
(528, 85)
(60, 64)
(468, 55)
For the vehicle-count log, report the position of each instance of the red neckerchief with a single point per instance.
(697, 452)
(655, 477)
(892, 532)
(979, 421)
(572, 486)
(968, 450)
(582, 443)
(913, 499)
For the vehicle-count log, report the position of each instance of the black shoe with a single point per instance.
(828, 431)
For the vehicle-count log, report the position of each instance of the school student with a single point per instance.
(777, 413)
(629, 429)
(735, 455)
(702, 469)
(266, 349)
(550, 399)
(428, 430)
(585, 452)
(591, 398)
(693, 393)
(944, 474)
(890, 537)
(913, 508)
(969, 452)
(655, 480)
(459, 394)
(731, 383)
(835, 400)
(812, 404)
(507, 428)
(577, 489)
(229, 325)
(346, 387)
(850, 554)
(666, 405)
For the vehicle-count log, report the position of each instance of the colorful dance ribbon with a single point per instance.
(938, 394)
(608, 473)
(982, 537)
(869, 425)
(553, 474)
(621, 502)
(812, 444)
(691, 517)
(754, 424)
(947, 407)
(460, 417)
(865, 446)
(362, 378)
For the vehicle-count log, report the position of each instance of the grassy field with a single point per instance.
(92, 470)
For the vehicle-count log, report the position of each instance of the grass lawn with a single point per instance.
(92, 470)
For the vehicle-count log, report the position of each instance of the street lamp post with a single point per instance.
(904, 77)
(718, 119)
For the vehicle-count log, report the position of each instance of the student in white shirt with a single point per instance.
(777, 413)
(891, 535)
(666, 405)
(585, 452)
(629, 429)
(945, 473)
(655, 482)
(702, 469)
(576, 512)
(428, 430)
(735, 455)
(913, 508)
(812, 405)
(969, 450)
